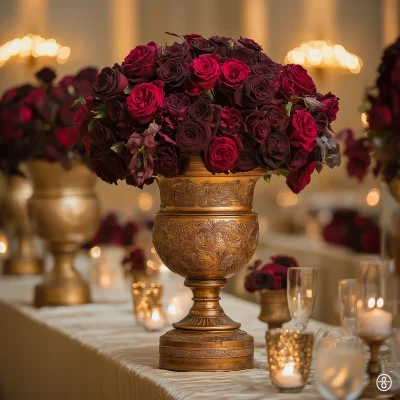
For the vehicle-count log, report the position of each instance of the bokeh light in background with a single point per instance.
(3, 245)
(322, 54)
(145, 201)
(373, 197)
(34, 46)
(95, 252)
(287, 199)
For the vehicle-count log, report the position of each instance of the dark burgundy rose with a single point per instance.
(301, 81)
(370, 241)
(257, 126)
(109, 166)
(286, 261)
(231, 120)
(268, 72)
(304, 130)
(205, 70)
(203, 46)
(299, 158)
(9, 95)
(379, 116)
(88, 74)
(128, 232)
(256, 90)
(82, 118)
(244, 54)
(116, 109)
(46, 75)
(141, 61)
(359, 160)
(66, 114)
(223, 45)
(110, 82)
(144, 101)
(277, 117)
(180, 51)
(101, 136)
(278, 273)
(193, 136)
(136, 261)
(35, 98)
(298, 180)
(66, 137)
(233, 73)
(202, 109)
(273, 66)
(330, 105)
(249, 43)
(190, 38)
(166, 161)
(192, 90)
(321, 120)
(176, 105)
(173, 72)
(247, 159)
(274, 152)
(258, 281)
(221, 154)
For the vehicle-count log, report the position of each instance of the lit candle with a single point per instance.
(288, 378)
(376, 322)
(153, 321)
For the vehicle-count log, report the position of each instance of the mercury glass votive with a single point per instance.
(289, 358)
(140, 305)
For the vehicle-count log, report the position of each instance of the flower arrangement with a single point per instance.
(271, 276)
(112, 232)
(382, 107)
(349, 228)
(219, 98)
(135, 261)
(37, 122)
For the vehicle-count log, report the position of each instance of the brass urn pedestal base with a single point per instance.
(22, 266)
(206, 339)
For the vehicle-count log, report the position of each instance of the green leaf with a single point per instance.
(91, 125)
(231, 44)
(209, 93)
(282, 172)
(366, 106)
(128, 90)
(99, 114)
(101, 107)
(78, 102)
(289, 107)
(118, 147)
(267, 177)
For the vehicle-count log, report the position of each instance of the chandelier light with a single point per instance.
(324, 54)
(34, 46)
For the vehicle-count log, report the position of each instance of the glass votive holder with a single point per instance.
(153, 320)
(289, 358)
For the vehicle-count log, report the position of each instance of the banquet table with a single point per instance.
(96, 351)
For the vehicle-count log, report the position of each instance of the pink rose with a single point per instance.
(304, 130)
(145, 100)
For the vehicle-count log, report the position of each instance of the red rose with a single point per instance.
(66, 113)
(233, 73)
(66, 136)
(304, 130)
(256, 90)
(193, 136)
(9, 95)
(299, 158)
(190, 38)
(110, 82)
(330, 105)
(82, 118)
(298, 180)
(205, 71)
(144, 101)
(8, 129)
(231, 120)
(257, 126)
(277, 117)
(359, 159)
(88, 74)
(109, 166)
(221, 154)
(301, 81)
(370, 241)
(379, 116)
(141, 61)
(35, 98)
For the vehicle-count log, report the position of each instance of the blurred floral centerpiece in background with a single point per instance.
(270, 280)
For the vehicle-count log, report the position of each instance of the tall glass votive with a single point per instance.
(348, 306)
(289, 358)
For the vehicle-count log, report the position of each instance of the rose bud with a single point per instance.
(110, 82)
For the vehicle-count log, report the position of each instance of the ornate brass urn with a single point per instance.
(206, 231)
(66, 212)
(274, 308)
(23, 258)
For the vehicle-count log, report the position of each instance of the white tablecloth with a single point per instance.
(96, 352)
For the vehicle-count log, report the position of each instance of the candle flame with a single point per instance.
(379, 302)
(155, 316)
(3, 247)
(371, 303)
(95, 252)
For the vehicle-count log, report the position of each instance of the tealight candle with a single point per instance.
(154, 320)
(288, 377)
(376, 322)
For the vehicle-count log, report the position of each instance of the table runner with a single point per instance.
(96, 352)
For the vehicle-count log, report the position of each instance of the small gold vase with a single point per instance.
(274, 308)
(206, 231)
(66, 212)
(23, 258)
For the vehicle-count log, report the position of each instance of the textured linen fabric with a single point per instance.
(97, 352)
